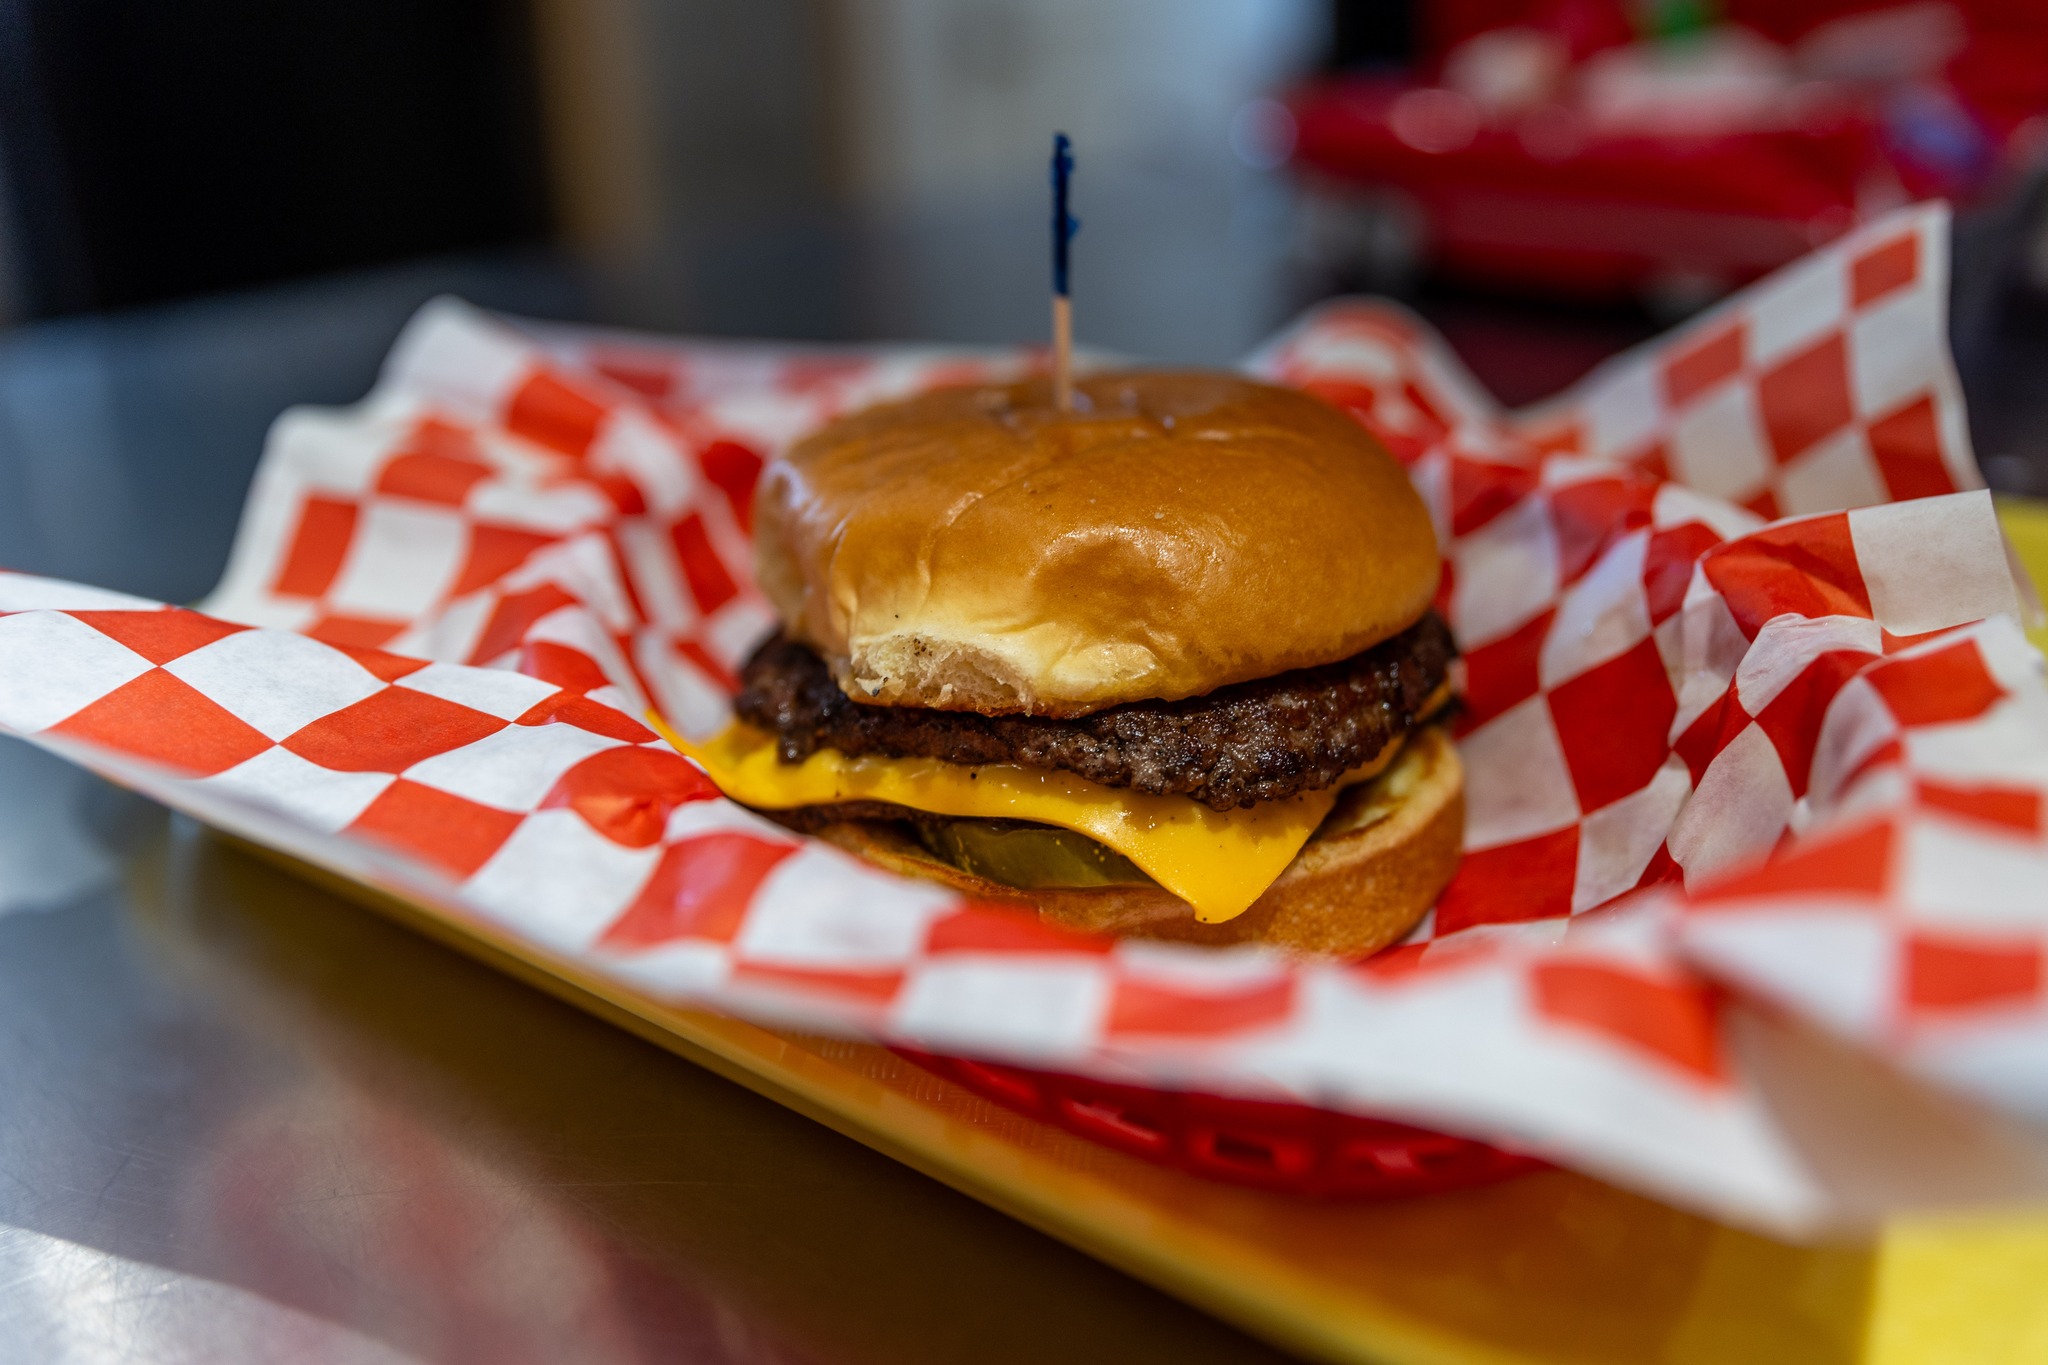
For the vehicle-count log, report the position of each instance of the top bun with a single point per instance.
(973, 549)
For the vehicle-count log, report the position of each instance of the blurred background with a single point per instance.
(211, 209)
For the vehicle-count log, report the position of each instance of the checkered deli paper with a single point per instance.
(1741, 665)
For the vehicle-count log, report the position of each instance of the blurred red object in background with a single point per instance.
(1586, 148)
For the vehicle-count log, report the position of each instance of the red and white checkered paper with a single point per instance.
(1818, 746)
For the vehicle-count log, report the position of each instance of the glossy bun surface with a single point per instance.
(974, 549)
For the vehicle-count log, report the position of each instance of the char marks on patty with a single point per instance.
(1235, 747)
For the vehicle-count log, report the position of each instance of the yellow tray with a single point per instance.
(1546, 1268)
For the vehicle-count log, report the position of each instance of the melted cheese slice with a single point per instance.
(1219, 862)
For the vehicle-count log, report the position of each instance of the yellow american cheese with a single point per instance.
(1219, 862)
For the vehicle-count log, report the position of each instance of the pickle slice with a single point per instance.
(1025, 855)
(1017, 853)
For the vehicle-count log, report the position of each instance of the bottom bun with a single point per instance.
(1364, 879)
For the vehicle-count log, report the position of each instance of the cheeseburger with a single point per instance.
(1160, 665)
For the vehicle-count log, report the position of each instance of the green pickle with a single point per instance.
(1025, 855)
(1018, 853)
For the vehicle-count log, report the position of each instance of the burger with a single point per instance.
(1161, 664)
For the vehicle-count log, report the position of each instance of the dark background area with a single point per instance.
(162, 150)
(169, 150)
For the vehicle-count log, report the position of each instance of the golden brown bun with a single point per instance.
(972, 549)
(1360, 884)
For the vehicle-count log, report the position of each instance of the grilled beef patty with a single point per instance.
(1236, 746)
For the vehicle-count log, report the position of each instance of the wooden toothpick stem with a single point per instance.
(1063, 352)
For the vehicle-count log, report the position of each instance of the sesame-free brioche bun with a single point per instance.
(1361, 883)
(975, 549)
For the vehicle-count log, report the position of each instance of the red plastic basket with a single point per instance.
(1289, 1148)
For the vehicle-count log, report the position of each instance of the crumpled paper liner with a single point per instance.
(1808, 755)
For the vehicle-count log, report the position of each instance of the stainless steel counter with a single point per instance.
(246, 1120)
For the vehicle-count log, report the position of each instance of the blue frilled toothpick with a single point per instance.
(1064, 226)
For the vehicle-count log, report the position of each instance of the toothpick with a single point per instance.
(1063, 352)
(1064, 226)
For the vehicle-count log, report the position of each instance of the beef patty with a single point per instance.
(1236, 746)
